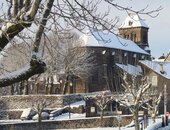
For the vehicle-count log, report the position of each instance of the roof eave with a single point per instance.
(153, 70)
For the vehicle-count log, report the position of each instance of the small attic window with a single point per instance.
(130, 23)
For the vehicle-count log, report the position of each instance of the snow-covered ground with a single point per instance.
(65, 116)
(81, 116)
(150, 127)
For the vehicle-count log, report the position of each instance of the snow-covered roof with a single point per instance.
(109, 40)
(77, 104)
(130, 69)
(133, 20)
(161, 68)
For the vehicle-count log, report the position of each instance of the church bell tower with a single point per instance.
(135, 29)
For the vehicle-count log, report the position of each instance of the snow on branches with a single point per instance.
(137, 96)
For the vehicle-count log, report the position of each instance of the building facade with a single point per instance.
(158, 74)
(135, 29)
(116, 53)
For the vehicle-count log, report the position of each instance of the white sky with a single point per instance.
(159, 35)
(159, 27)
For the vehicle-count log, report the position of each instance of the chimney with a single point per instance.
(161, 68)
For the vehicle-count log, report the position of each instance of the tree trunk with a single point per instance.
(12, 89)
(153, 118)
(21, 88)
(39, 121)
(26, 87)
(65, 87)
(46, 85)
(15, 7)
(135, 118)
(101, 117)
(51, 85)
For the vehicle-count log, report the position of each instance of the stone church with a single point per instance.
(114, 54)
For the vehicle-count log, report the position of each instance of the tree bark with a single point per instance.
(11, 29)
(39, 121)
(42, 24)
(135, 118)
(154, 118)
(15, 7)
(26, 85)
(36, 65)
(101, 117)
(12, 89)
(65, 87)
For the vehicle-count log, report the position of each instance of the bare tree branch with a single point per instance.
(23, 74)
(64, 15)
(15, 7)
(36, 65)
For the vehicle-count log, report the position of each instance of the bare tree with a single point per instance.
(27, 14)
(153, 105)
(137, 95)
(18, 21)
(39, 106)
(10, 62)
(65, 56)
(101, 100)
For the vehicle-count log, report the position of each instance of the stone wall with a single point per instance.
(67, 124)
(27, 101)
(10, 114)
(11, 107)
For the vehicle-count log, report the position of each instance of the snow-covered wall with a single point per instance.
(27, 101)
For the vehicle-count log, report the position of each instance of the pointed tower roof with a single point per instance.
(133, 20)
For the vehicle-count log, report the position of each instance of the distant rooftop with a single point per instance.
(130, 69)
(156, 66)
(162, 57)
(133, 20)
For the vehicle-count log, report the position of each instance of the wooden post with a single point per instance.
(165, 100)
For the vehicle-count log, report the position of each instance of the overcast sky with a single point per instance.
(159, 27)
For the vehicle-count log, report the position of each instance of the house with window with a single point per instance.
(135, 29)
(114, 53)
(158, 74)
